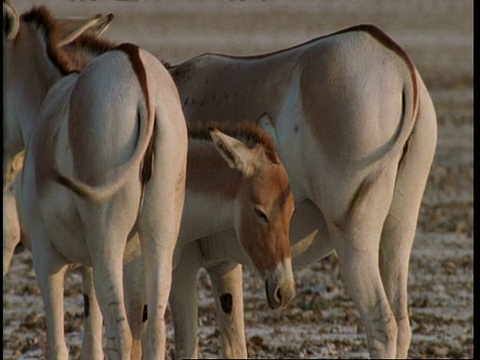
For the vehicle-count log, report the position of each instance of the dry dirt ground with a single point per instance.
(322, 322)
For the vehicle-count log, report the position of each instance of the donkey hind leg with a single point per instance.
(158, 246)
(92, 345)
(399, 229)
(228, 293)
(357, 239)
(158, 257)
(159, 220)
(184, 302)
(137, 312)
(396, 243)
(106, 240)
(50, 268)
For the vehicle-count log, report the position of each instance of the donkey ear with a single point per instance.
(236, 153)
(266, 125)
(101, 26)
(11, 20)
(74, 27)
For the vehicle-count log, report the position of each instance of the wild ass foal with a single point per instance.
(237, 182)
(118, 128)
(356, 130)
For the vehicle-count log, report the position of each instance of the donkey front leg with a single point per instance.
(228, 292)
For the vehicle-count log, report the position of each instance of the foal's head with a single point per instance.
(263, 207)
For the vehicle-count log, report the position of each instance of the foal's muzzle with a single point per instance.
(280, 286)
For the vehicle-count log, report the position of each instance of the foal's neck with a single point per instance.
(208, 173)
(210, 193)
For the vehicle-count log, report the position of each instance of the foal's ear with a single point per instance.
(102, 25)
(74, 27)
(236, 153)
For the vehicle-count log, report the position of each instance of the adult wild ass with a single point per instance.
(72, 27)
(356, 130)
(16, 235)
(116, 135)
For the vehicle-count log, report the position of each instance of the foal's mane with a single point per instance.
(247, 132)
